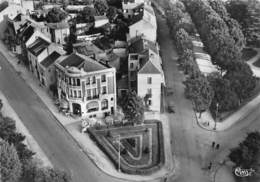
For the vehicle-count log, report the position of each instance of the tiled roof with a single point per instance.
(81, 61)
(72, 60)
(149, 68)
(50, 59)
(38, 46)
(140, 44)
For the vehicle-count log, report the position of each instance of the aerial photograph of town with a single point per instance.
(129, 90)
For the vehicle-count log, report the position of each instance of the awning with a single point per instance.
(92, 105)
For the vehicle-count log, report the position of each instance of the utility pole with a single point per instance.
(119, 147)
(215, 124)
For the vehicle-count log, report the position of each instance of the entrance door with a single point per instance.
(76, 109)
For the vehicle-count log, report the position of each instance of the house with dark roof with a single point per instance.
(38, 51)
(86, 86)
(145, 73)
(47, 69)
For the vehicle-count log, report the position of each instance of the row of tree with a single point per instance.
(224, 41)
(16, 161)
(181, 27)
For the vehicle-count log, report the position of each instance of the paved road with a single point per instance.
(192, 144)
(55, 142)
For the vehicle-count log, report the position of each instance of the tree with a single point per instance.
(247, 13)
(183, 41)
(7, 127)
(101, 6)
(133, 107)
(247, 154)
(87, 15)
(233, 26)
(224, 95)
(10, 166)
(199, 90)
(32, 172)
(56, 15)
(8, 133)
(241, 79)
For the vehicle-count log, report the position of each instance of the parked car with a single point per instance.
(171, 107)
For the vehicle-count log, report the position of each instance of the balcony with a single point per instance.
(93, 97)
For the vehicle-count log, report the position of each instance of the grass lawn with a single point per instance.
(257, 63)
(248, 53)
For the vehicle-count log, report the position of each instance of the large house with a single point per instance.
(86, 87)
(145, 73)
(144, 23)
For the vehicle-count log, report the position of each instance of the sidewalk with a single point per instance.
(39, 156)
(73, 127)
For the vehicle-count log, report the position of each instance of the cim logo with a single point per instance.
(244, 172)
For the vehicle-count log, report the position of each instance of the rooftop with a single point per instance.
(60, 25)
(50, 59)
(139, 44)
(38, 46)
(80, 61)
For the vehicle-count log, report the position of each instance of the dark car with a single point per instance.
(171, 107)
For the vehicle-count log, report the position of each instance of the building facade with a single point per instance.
(86, 86)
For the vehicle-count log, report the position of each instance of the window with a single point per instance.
(88, 81)
(131, 65)
(94, 92)
(149, 91)
(70, 93)
(78, 82)
(79, 94)
(75, 93)
(70, 81)
(88, 93)
(103, 78)
(104, 90)
(149, 80)
(93, 79)
(104, 104)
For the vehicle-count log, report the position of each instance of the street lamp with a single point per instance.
(215, 124)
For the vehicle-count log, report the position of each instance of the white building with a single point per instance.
(145, 25)
(145, 73)
(86, 87)
(59, 32)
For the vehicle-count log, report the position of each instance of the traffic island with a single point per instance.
(132, 149)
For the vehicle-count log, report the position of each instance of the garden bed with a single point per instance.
(141, 146)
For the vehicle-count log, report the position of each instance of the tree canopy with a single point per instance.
(247, 154)
(10, 166)
(247, 13)
(56, 15)
(200, 91)
(133, 107)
